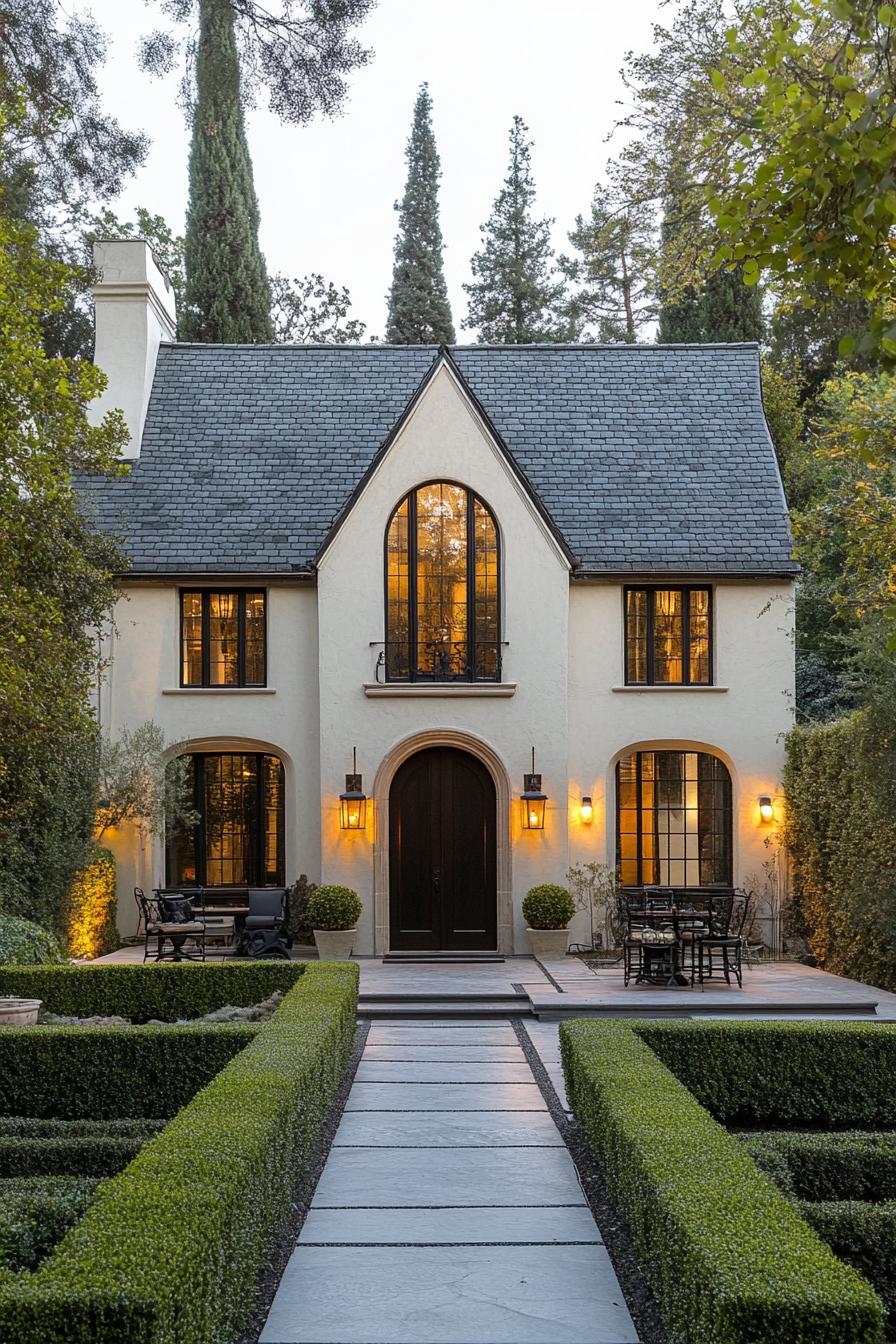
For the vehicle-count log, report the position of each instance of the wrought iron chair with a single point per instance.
(728, 917)
(169, 918)
(648, 950)
(265, 931)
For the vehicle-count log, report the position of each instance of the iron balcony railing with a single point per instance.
(440, 660)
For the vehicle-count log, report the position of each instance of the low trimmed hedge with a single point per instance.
(71, 1072)
(864, 1235)
(36, 1212)
(31, 1127)
(824, 1167)
(728, 1257)
(168, 991)
(32, 1147)
(825, 1074)
(216, 1184)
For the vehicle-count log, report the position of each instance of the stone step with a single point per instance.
(444, 1006)
(443, 995)
(686, 1004)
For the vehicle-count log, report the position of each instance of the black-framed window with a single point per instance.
(442, 587)
(673, 819)
(239, 840)
(223, 637)
(668, 636)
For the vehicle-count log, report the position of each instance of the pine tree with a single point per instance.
(419, 312)
(228, 297)
(517, 297)
(614, 272)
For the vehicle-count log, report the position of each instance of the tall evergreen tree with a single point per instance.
(419, 312)
(516, 297)
(614, 272)
(228, 297)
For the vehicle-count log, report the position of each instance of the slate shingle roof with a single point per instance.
(647, 458)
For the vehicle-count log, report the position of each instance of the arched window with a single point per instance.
(238, 840)
(442, 600)
(673, 819)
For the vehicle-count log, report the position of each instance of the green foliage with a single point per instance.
(25, 944)
(166, 992)
(310, 309)
(216, 1183)
(227, 296)
(138, 785)
(32, 1127)
(516, 296)
(615, 273)
(93, 1155)
(73, 1072)
(167, 246)
(854, 1164)
(864, 1235)
(724, 309)
(36, 1212)
(419, 312)
(840, 830)
(548, 907)
(827, 1074)
(727, 1256)
(334, 908)
(92, 929)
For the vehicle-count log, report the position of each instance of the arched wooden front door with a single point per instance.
(442, 882)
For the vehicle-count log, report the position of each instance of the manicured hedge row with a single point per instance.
(36, 1212)
(70, 1072)
(864, 1235)
(851, 1166)
(829, 1074)
(728, 1257)
(168, 991)
(215, 1185)
(30, 1127)
(67, 1157)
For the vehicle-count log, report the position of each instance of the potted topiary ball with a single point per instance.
(548, 909)
(333, 913)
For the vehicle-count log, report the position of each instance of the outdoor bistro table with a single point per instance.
(669, 956)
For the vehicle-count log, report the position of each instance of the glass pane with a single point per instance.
(667, 635)
(274, 847)
(699, 636)
(684, 811)
(441, 581)
(230, 817)
(191, 639)
(223, 647)
(254, 639)
(485, 562)
(182, 846)
(636, 636)
(397, 597)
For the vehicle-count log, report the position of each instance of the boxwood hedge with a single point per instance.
(168, 991)
(35, 1212)
(728, 1257)
(864, 1235)
(73, 1072)
(829, 1074)
(850, 1165)
(214, 1185)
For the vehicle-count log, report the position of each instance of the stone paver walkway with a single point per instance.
(449, 1210)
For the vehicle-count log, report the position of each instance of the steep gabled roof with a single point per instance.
(647, 459)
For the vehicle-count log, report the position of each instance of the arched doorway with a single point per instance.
(442, 853)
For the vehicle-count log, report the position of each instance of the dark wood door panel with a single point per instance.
(442, 865)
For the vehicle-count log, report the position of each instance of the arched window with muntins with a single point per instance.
(442, 588)
(673, 819)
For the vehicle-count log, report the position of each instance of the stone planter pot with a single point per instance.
(548, 944)
(19, 1012)
(334, 944)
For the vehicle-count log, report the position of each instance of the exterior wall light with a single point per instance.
(766, 811)
(533, 800)
(586, 810)
(353, 802)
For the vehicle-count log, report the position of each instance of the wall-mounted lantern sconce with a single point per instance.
(586, 810)
(353, 802)
(533, 800)
(766, 811)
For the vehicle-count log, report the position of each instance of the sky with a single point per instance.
(326, 190)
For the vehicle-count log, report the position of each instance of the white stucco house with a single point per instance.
(435, 562)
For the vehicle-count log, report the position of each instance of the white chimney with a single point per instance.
(135, 312)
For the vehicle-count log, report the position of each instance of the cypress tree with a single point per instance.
(419, 312)
(516, 297)
(227, 294)
(725, 309)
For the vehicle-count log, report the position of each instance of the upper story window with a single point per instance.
(668, 636)
(222, 638)
(442, 591)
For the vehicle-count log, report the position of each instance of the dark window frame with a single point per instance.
(639, 814)
(414, 674)
(259, 823)
(240, 594)
(686, 590)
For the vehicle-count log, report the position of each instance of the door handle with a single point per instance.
(437, 880)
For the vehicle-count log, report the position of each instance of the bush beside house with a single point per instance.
(92, 927)
(23, 943)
